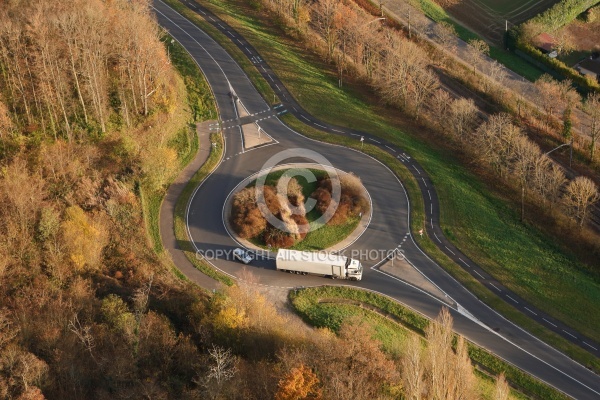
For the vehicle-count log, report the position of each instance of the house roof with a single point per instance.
(591, 65)
(544, 41)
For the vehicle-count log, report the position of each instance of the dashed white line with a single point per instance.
(589, 345)
(431, 210)
(335, 130)
(432, 221)
(376, 141)
(573, 336)
(531, 311)
(464, 262)
(296, 110)
(277, 86)
(240, 42)
(495, 287)
(482, 277)
(550, 322)
(321, 126)
(212, 19)
(417, 169)
(222, 27)
(354, 134)
(429, 193)
(447, 248)
(512, 299)
(263, 68)
(424, 183)
(203, 13)
(271, 78)
(390, 148)
(248, 50)
(438, 239)
(302, 115)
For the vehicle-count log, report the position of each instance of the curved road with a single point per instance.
(389, 227)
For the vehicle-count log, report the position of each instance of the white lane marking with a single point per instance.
(482, 277)
(573, 336)
(263, 68)
(240, 42)
(589, 345)
(277, 86)
(302, 115)
(424, 183)
(464, 262)
(447, 248)
(321, 126)
(354, 134)
(495, 287)
(429, 193)
(531, 311)
(431, 210)
(417, 169)
(222, 27)
(512, 299)
(438, 239)
(271, 78)
(203, 13)
(432, 221)
(550, 322)
(338, 131)
(390, 148)
(212, 19)
(295, 109)
(376, 141)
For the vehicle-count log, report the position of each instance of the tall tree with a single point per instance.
(580, 194)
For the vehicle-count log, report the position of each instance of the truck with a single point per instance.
(318, 263)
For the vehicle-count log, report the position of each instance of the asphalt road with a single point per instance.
(389, 227)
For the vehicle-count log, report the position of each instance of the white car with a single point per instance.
(242, 255)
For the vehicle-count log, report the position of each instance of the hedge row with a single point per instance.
(562, 13)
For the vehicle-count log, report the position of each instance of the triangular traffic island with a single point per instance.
(241, 109)
(254, 136)
(401, 269)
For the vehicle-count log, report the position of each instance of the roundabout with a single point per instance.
(388, 231)
(321, 231)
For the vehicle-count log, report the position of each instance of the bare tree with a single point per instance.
(412, 369)
(326, 14)
(445, 35)
(502, 389)
(439, 356)
(580, 194)
(462, 115)
(477, 50)
(592, 108)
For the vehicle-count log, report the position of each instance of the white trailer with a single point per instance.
(318, 263)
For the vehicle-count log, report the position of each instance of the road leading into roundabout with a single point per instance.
(388, 229)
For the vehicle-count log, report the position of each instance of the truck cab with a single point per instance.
(354, 269)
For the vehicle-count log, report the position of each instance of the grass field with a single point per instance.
(484, 226)
(489, 18)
